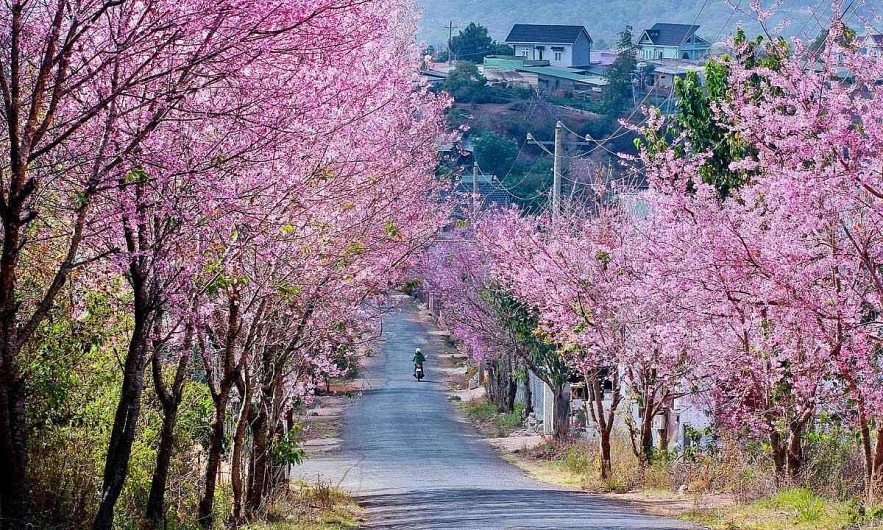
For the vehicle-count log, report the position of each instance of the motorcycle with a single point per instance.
(418, 371)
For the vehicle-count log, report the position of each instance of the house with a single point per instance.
(663, 74)
(672, 41)
(505, 70)
(566, 83)
(491, 192)
(871, 45)
(562, 46)
(542, 76)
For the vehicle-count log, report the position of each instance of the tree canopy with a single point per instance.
(473, 43)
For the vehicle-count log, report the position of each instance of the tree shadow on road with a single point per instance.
(491, 508)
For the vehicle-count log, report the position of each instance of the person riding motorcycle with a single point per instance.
(418, 360)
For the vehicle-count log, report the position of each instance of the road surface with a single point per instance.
(412, 462)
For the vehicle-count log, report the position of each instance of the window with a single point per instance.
(558, 56)
(524, 52)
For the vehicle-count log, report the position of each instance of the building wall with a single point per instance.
(576, 54)
(658, 52)
(684, 414)
(582, 52)
(693, 52)
(555, 84)
(522, 50)
(869, 47)
(663, 81)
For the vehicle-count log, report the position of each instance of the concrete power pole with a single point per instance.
(556, 182)
(558, 156)
(451, 28)
(475, 173)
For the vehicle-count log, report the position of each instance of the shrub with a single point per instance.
(806, 504)
(578, 459)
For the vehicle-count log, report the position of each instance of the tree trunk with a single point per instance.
(528, 393)
(171, 401)
(795, 449)
(238, 442)
(876, 481)
(603, 422)
(14, 498)
(213, 459)
(872, 457)
(220, 398)
(258, 469)
(560, 412)
(156, 512)
(646, 444)
(606, 465)
(116, 464)
(663, 436)
(865, 437)
(780, 457)
(500, 384)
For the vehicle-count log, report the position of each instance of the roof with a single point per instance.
(668, 34)
(565, 74)
(550, 34)
(878, 39)
(491, 190)
(604, 57)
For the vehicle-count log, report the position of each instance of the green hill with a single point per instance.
(605, 18)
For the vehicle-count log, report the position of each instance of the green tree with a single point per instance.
(494, 153)
(704, 131)
(702, 128)
(847, 38)
(533, 348)
(474, 43)
(465, 83)
(617, 95)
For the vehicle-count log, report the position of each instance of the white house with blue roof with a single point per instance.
(672, 41)
(562, 46)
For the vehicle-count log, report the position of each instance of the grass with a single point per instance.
(789, 509)
(307, 506)
(491, 423)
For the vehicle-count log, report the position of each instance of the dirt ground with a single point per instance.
(322, 418)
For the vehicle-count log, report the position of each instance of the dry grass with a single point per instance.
(729, 490)
(789, 509)
(491, 423)
(306, 506)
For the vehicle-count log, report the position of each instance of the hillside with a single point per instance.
(604, 19)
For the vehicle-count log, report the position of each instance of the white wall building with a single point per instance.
(871, 45)
(562, 46)
(672, 41)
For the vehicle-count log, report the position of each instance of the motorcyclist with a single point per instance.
(418, 360)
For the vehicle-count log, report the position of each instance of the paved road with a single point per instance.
(414, 463)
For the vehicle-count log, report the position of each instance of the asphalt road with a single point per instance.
(414, 463)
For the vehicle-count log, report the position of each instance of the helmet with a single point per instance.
(417, 350)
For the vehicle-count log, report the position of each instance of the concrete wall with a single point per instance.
(693, 52)
(582, 52)
(576, 54)
(548, 54)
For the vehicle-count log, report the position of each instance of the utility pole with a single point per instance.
(556, 182)
(558, 157)
(451, 28)
(475, 173)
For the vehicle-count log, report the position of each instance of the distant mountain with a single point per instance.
(605, 18)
